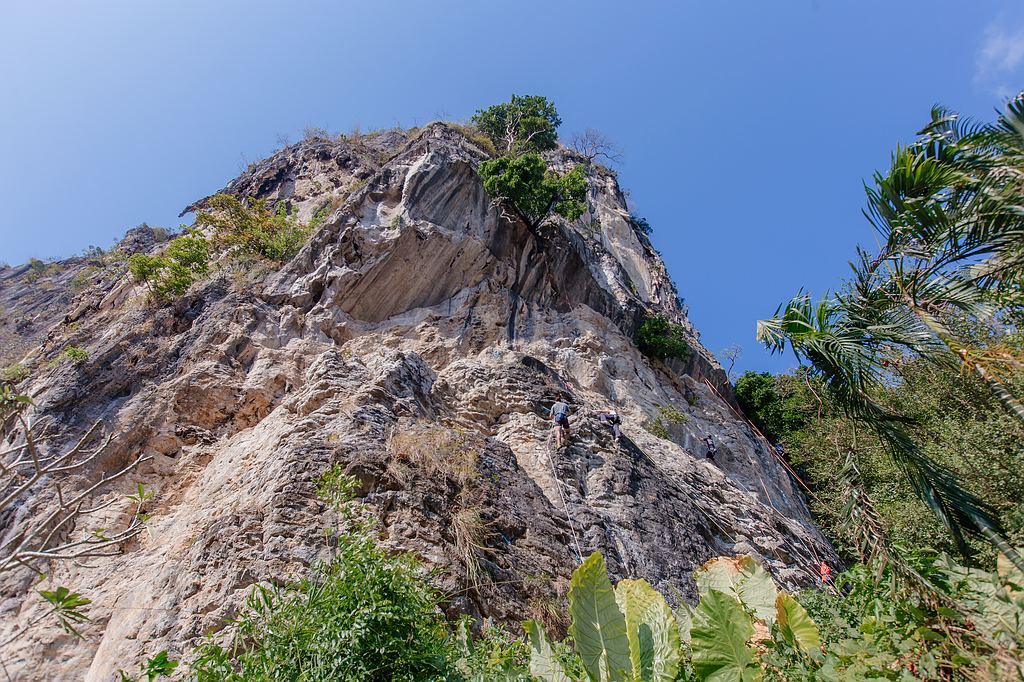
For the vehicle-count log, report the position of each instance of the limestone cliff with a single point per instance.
(416, 309)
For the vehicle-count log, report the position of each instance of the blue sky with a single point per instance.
(748, 127)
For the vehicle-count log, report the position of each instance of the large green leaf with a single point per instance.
(598, 627)
(684, 621)
(651, 631)
(743, 578)
(718, 640)
(544, 665)
(795, 623)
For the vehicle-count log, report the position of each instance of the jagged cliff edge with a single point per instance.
(416, 306)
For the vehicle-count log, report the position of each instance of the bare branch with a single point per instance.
(592, 145)
(39, 538)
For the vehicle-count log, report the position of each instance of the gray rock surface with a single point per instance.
(416, 340)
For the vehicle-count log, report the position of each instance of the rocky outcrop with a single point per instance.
(416, 341)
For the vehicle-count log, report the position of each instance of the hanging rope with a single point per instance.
(565, 504)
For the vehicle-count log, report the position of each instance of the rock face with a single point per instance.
(416, 340)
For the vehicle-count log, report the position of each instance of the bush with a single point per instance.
(13, 374)
(76, 355)
(659, 338)
(667, 416)
(477, 137)
(256, 229)
(368, 615)
(38, 269)
(185, 259)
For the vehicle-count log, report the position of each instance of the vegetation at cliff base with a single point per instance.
(367, 615)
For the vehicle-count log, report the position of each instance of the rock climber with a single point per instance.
(609, 417)
(709, 441)
(826, 574)
(560, 418)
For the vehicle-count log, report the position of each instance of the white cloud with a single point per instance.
(1000, 53)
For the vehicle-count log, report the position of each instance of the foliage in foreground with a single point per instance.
(661, 339)
(745, 629)
(368, 615)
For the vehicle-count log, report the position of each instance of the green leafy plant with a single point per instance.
(779, 405)
(76, 355)
(337, 488)
(367, 615)
(536, 192)
(66, 607)
(620, 634)
(185, 259)
(526, 123)
(159, 665)
(667, 416)
(16, 373)
(661, 339)
(520, 129)
(253, 228)
(495, 656)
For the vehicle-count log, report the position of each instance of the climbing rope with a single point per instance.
(565, 504)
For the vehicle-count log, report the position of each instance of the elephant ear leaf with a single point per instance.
(598, 627)
(684, 621)
(743, 578)
(718, 640)
(651, 631)
(544, 665)
(795, 624)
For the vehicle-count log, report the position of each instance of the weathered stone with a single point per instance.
(416, 313)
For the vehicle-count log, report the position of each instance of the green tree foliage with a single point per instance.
(661, 339)
(778, 405)
(185, 259)
(254, 229)
(521, 129)
(159, 665)
(949, 214)
(954, 417)
(526, 123)
(526, 183)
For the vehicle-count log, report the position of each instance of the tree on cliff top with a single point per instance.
(520, 129)
(526, 123)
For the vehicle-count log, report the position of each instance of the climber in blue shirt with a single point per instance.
(560, 417)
